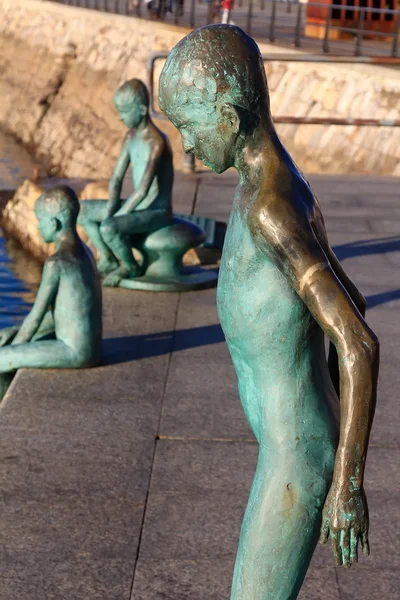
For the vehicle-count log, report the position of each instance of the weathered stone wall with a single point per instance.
(59, 69)
(358, 91)
(60, 66)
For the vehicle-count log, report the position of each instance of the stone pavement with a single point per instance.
(129, 481)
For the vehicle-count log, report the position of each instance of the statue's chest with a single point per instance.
(139, 154)
(252, 291)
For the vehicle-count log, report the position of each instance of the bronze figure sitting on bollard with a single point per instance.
(280, 289)
(68, 306)
(145, 220)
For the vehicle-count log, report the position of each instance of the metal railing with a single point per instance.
(281, 21)
(357, 14)
(189, 161)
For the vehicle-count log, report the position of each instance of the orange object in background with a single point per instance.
(227, 6)
(344, 16)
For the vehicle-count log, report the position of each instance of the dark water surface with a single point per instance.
(19, 272)
(19, 280)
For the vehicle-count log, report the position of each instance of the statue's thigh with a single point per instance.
(251, 404)
(93, 210)
(140, 221)
(280, 530)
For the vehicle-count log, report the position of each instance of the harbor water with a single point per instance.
(19, 272)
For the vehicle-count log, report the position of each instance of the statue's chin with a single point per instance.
(216, 168)
(220, 169)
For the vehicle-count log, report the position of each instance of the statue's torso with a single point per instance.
(77, 308)
(276, 345)
(159, 195)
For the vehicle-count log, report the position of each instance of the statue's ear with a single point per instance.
(56, 224)
(144, 110)
(231, 115)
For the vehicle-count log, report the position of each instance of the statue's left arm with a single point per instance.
(301, 258)
(117, 178)
(44, 299)
(148, 177)
(7, 335)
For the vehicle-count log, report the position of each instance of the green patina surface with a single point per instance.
(64, 327)
(280, 290)
(144, 220)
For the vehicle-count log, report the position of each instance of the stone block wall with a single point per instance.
(323, 90)
(60, 66)
(59, 69)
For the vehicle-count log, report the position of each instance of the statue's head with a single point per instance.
(214, 90)
(132, 102)
(56, 210)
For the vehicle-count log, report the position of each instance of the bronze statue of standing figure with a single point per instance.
(280, 289)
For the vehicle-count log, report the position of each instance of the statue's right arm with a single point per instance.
(300, 257)
(345, 280)
(44, 299)
(117, 178)
(356, 297)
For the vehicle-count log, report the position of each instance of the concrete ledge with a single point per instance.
(76, 452)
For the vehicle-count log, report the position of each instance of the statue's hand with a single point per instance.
(345, 521)
(7, 335)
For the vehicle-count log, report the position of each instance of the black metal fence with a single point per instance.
(280, 21)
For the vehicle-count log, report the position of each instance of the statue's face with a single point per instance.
(47, 226)
(131, 113)
(206, 133)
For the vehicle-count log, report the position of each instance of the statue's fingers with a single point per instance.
(353, 545)
(345, 547)
(365, 543)
(336, 547)
(324, 536)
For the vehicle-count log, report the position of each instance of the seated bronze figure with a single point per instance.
(145, 220)
(64, 328)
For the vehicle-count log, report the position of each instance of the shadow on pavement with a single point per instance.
(382, 298)
(365, 247)
(368, 247)
(135, 347)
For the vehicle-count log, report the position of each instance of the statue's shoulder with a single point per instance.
(129, 136)
(53, 262)
(51, 269)
(280, 216)
(60, 260)
(158, 136)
